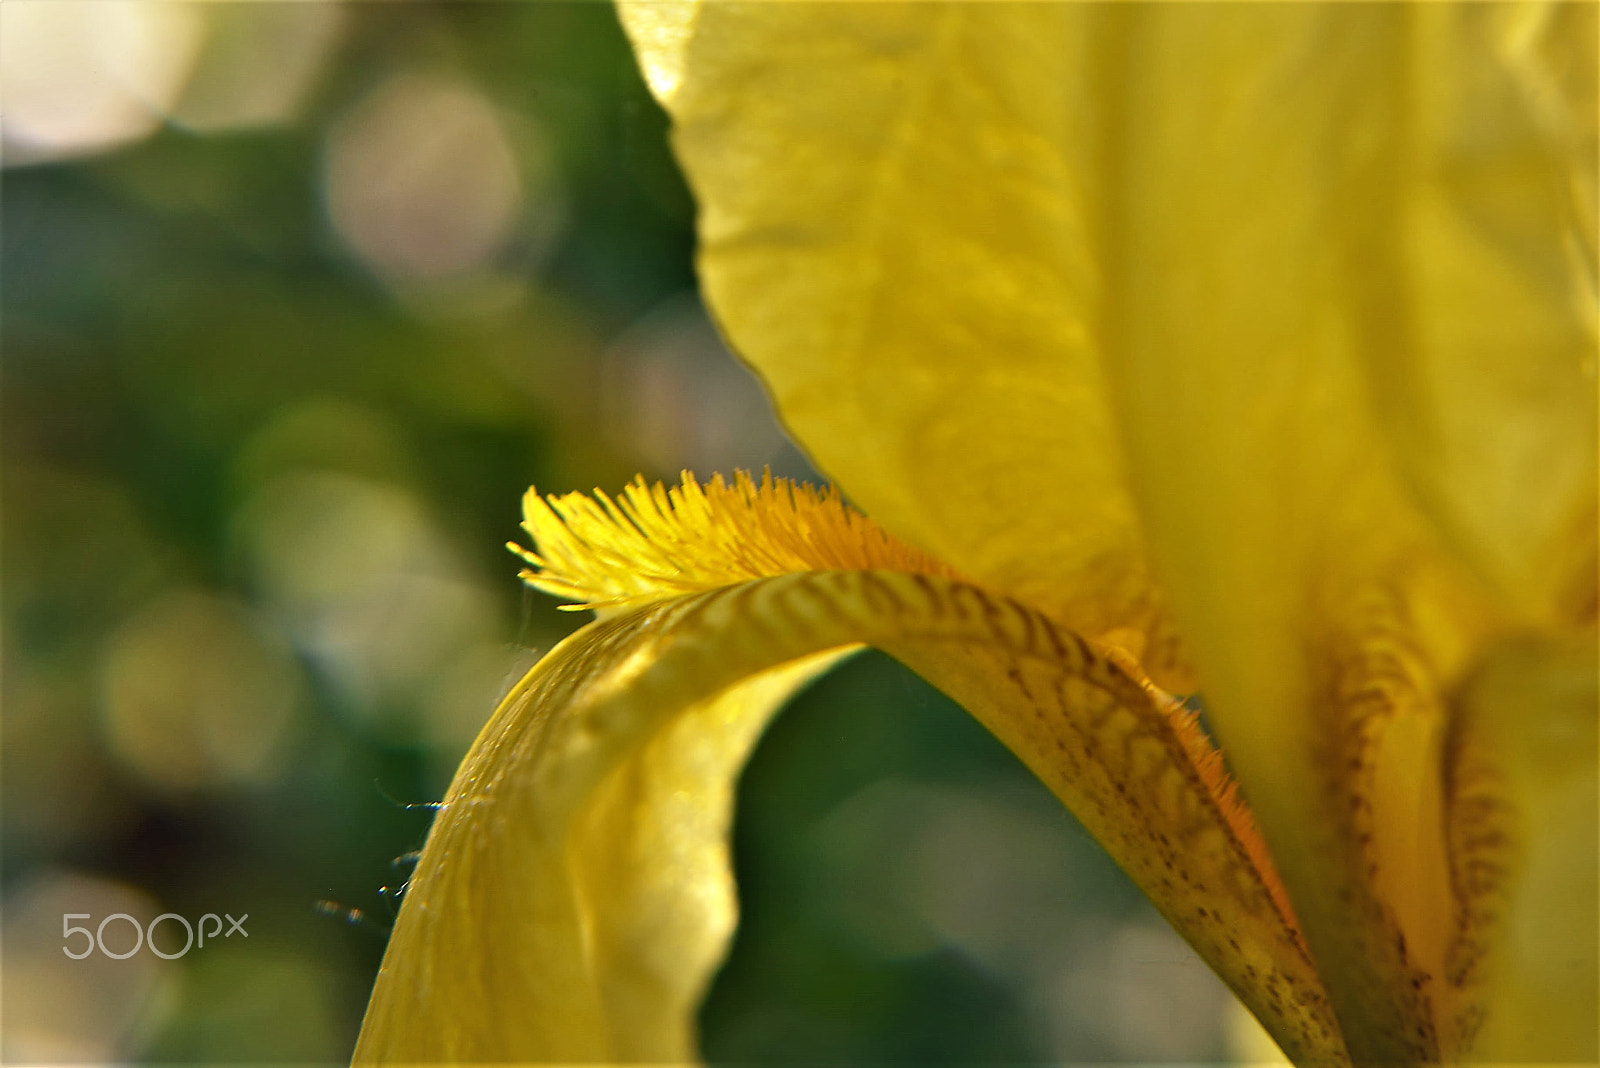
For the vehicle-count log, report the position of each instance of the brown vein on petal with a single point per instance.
(1138, 772)
(1373, 674)
(1480, 828)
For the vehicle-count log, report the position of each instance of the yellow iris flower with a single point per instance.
(1248, 348)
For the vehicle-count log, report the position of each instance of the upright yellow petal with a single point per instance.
(1297, 299)
(1488, 391)
(1344, 244)
(896, 229)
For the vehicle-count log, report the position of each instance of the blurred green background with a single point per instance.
(298, 299)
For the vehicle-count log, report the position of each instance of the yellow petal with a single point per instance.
(1341, 246)
(661, 32)
(1300, 297)
(1523, 823)
(574, 894)
(1489, 396)
(577, 870)
(895, 230)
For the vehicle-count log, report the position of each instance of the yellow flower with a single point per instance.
(1241, 347)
